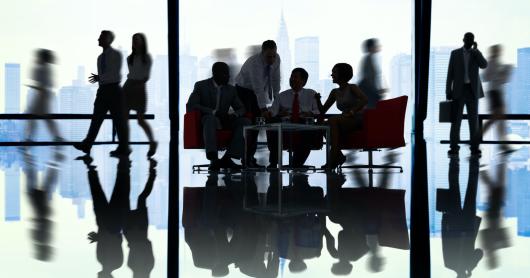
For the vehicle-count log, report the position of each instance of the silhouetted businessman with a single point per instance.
(213, 97)
(460, 225)
(464, 87)
(110, 216)
(108, 98)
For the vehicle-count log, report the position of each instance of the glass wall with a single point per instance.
(314, 35)
(70, 30)
(495, 246)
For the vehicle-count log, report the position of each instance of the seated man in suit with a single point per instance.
(213, 97)
(293, 104)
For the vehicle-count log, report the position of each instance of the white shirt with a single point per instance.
(138, 70)
(306, 99)
(253, 76)
(467, 53)
(109, 66)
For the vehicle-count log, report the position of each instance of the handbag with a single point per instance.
(446, 111)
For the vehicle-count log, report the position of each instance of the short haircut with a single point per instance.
(369, 43)
(303, 73)
(109, 34)
(219, 67)
(268, 44)
(469, 34)
(345, 71)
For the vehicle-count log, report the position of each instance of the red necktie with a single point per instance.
(295, 111)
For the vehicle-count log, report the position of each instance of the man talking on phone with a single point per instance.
(464, 87)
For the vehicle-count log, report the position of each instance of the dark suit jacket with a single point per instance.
(204, 98)
(455, 74)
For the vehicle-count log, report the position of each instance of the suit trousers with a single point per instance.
(249, 100)
(109, 98)
(471, 102)
(209, 132)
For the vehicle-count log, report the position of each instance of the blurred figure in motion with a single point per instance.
(370, 77)
(495, 235)
(139, 64)
(228, 56)
(110, 215)
(460, 225)
(141, 260)
(496, 74)
(43, 97)
(40, 197)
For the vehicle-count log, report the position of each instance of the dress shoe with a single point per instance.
(452, 151)
(227, 163)
(83, 147)
(120, 152)
(152, 149)
(476, 152)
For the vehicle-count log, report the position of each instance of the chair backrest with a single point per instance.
(385, 125)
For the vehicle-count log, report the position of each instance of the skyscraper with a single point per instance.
(12, 194)
(306, 55)
(519, 98)
(12, 88)
(282, 41)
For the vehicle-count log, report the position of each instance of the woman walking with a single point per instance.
(139, 64)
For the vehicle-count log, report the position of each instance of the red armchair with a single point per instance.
(383, 127)
(193, 138)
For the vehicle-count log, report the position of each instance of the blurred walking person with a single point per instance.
(496, 74)
(43, 97)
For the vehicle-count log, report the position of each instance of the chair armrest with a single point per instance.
(192, 130)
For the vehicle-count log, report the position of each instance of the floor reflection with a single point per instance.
(127, 226)
(263, 223)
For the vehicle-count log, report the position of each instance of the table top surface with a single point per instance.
(287, 126)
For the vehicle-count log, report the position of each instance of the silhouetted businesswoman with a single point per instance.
(464, 87)
(108, 98)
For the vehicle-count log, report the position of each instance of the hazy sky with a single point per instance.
(71, 29)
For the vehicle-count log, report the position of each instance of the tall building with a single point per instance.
(12, 88)
(519, 98)
(12, 193)
(76, 99)
(306, 55)
(282, 41)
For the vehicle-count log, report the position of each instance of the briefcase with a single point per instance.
(446, 113)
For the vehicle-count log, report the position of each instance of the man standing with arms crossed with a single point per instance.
(257, 84)
(108, 98)
(464, 87)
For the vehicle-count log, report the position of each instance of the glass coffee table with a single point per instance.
(280, 128)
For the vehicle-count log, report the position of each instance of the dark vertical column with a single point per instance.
(420, 263)
(173, 205)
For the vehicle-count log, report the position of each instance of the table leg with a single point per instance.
(328, 134)
(280, 148)
(244, 159)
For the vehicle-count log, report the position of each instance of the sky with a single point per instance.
(71, 28)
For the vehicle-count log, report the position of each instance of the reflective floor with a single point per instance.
(103, 217)
(269, 224)
(94, 217)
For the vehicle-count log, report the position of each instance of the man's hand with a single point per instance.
(93, 78)
(475, 45)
